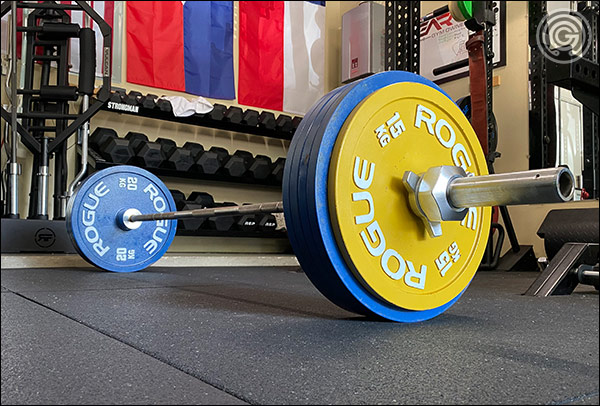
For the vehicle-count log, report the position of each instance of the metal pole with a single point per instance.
(14, 165)
(42, 179)
(529, 187)
(550, 185)
(83, 133)
(272, 207)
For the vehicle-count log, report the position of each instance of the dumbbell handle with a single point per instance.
(272, 207)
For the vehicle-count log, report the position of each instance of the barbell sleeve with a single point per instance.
(552, 185)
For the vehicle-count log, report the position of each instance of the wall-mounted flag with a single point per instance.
(281, 54)
(184, 46)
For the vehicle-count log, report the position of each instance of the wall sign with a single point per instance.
(443, 42)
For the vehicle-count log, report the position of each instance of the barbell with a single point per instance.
(386, 198)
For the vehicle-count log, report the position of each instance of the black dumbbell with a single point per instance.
(276, 175)
(197, 200)
(284, 123)
(182, 160)
(148, 101)
(167, 146)
(100, 135)
(250, 118)
(260, 169)
(237, 164)
(234, 115)
(266, 120)
(296, 122)
(136, 140)
(222, 153)
(246, 222)
(218, 112)
(147, 154)
(150, 155)
(164, 105)
(191, 223)
(209, 162)
(175, 158)
(195, 149)
(202, 198)
(267, 223)
(116, 150)
(117, 96)
(131, 98)
(178, 197)
(222, 223)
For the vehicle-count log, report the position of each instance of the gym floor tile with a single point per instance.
(30, 280)
(48, 358)
(268, 336)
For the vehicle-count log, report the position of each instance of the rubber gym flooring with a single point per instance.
(267, 336)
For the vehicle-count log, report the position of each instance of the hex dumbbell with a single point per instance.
(116, 150)
(178, 197)
(148, 101)
(234, 115)
(100, 135)
(260, 168)
(237, 164)
(209, 162)
(250, 118)
(266, 120)
(147, 154)
(222, 223)
(277, 168)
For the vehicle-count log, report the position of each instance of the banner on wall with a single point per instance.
(281, 54)
(183, 46)
(443, 42)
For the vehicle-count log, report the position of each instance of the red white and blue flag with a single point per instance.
(281, 54)
(184, 46)
(188, 47)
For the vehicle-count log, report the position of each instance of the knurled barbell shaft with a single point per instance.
(271, 207)
(550, 185)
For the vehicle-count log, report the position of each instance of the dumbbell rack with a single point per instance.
(203, 120)
(132, 106)
(232, 233)
(96, 163)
